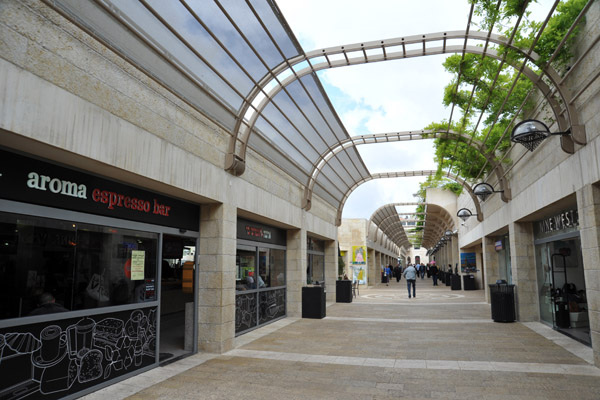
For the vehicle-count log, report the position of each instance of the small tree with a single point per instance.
(341, 266)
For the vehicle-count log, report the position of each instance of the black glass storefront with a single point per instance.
(79, 277)
(260, 275)
(560, 275)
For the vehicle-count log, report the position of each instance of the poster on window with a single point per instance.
(359, 254)
(137, 264)
(468, 263)
(358, 274)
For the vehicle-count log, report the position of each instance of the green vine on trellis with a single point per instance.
(479, 73)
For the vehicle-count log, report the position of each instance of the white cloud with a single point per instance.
(393, 96)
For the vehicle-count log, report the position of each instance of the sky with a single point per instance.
(392, 96)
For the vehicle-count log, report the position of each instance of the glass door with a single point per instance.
(562, 293)
(177, 306)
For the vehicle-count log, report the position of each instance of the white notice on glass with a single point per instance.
(137, 264)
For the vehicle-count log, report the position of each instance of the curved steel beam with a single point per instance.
(399, 137)
(392, 49)
(338, 219)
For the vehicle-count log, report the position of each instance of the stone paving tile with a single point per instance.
(383, 347)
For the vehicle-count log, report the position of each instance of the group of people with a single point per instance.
(411, 273)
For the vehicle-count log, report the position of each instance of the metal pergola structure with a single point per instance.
(240, 65)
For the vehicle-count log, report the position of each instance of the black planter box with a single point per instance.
(313, 302)
(469, 282)
(503, 302)
(455, 282)
(343, 291)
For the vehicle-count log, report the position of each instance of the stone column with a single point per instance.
(491, 265)
(216, 278)
(371, 267)
(296, 264)
(588, 205)
(522, 256)
(331, 267)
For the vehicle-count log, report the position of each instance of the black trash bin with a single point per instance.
(503, 302)
(469, 282)
(563, 318)
(442, 276)
(343, 291)
(455, 282)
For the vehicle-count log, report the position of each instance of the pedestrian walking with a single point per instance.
(398, 272)
(388, 274)
(410, 273)
(434, 274)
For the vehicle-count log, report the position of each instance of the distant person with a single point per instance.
(398, 272)
(410, 273)
(47, 305)
(434, 274)
(388, 274)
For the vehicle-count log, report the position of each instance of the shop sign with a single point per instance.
(562, 221)
(34, 181)
(255, 231)
(499, 245)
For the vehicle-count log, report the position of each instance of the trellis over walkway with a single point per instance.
(394, 49)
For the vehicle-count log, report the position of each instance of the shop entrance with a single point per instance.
(562, 292)
(177, 307)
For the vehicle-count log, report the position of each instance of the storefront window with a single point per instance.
(260, 286)
(505, 270)
(315, 270)
(246, 269)
(82, 266)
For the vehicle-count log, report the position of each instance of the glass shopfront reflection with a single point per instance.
(260, 275)
(560, 275)
(81, 265)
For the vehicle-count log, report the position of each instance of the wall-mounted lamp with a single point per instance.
(465, 214)
(484, 190)
(531, 132)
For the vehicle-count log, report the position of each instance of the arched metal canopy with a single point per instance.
(405, 174)
(388, 219)
(240, 65)
(399, 137)
(386, 50)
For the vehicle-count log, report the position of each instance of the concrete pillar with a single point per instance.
(296, 264)
(372, 269)
(491, 265)
(588, 205)
(522, 255)
(331, 267)
(216, 283)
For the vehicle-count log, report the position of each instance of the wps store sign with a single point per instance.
(35, 181)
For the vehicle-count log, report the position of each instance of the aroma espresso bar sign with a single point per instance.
(35, 181)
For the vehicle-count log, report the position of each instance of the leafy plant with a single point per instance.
(481, 85)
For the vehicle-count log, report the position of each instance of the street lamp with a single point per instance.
(484, 190)
(464, 214)
(531, 132)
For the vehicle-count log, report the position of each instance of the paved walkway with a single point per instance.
(441, 344)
